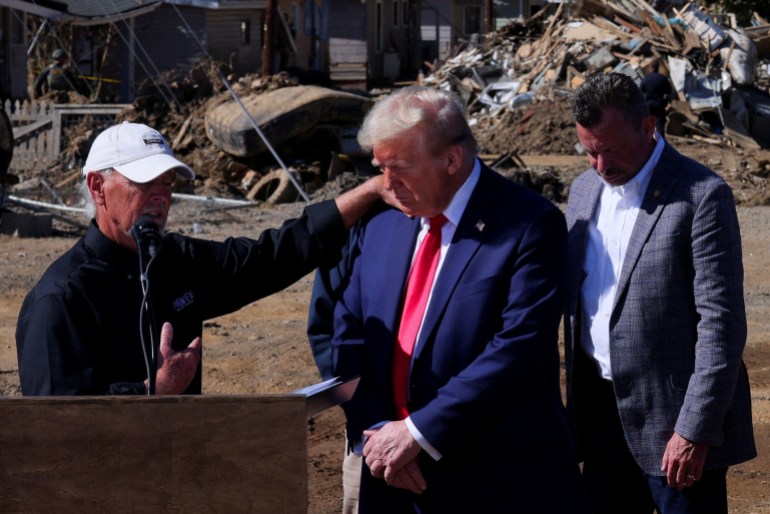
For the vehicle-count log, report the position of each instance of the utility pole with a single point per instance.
(488, 17)
(268, 37)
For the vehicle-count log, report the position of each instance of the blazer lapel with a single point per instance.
(399, 249)
(585, 200)
(661, 186)
(476, 222)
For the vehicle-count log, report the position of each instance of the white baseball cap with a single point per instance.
(136, 151)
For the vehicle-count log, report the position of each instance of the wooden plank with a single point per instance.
(73, 176)
(627, 24)
(72, 109)
(22, 131)
(153, 454)
(729, 160)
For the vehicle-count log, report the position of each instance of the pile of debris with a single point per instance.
(177, 104)
(719, 70)
(517, 85)
(206, 142)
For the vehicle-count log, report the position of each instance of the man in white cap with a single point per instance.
(79, 328)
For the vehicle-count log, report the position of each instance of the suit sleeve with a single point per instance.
(328, 286)
(721, 331)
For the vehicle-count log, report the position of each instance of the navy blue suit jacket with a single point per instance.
(484, 387)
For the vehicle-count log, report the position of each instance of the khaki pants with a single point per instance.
(351, 480)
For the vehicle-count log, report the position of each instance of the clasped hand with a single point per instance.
(391, 453)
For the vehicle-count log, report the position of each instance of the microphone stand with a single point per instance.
(148, 240)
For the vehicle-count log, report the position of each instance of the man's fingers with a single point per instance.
(412, 476)
(671, 474)
(376, 467)
(195, 345)
(166, 336)
(414, 471)
(407, 477)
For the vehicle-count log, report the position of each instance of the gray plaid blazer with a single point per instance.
(678, 325)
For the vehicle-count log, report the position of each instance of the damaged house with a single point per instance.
(142, 39)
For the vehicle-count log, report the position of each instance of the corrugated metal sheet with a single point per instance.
(87, 12)
(94, 8)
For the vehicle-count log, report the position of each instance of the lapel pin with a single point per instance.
(480, 226)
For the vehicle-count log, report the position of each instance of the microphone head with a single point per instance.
(147, 234)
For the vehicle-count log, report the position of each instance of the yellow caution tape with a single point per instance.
(102, 79)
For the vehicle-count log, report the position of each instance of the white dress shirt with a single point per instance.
(608, 238)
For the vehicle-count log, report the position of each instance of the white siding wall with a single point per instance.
(347, 32)
(435, 28)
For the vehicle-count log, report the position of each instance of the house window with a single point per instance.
(396, 18)
(245, 32)
(379, 27)
(471, 20)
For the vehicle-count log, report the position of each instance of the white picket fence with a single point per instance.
(37, 129)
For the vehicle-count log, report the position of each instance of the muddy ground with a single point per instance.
(263, 349)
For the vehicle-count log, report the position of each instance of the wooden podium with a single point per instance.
(158, 454)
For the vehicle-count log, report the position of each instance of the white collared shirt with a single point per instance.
(453, 213)
(608, 236)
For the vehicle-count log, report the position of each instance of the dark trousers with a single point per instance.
(540, 482)
(614, 480)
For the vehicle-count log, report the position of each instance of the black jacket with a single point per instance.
(78, 331)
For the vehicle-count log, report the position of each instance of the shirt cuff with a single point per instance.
(424, 444)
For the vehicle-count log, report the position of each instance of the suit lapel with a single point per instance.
(476, 222)
(585, 200)
(661, 186)
(399, 248)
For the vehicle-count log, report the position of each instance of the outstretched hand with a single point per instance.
(176, 369)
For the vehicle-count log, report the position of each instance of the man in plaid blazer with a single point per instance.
(655, 325)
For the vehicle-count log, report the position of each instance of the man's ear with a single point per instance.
(454, 156)
(649, 124)
(95, 182)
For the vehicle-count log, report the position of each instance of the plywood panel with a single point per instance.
(153, 454)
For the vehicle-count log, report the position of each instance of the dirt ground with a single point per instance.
(263, 349)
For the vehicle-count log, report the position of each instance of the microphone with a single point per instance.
(147, 235)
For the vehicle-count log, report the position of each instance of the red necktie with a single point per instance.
(417, 291)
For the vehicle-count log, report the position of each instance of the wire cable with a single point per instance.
(147, 326)
(164, 90)
(251, 119)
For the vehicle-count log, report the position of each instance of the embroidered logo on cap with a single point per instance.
(153, 141)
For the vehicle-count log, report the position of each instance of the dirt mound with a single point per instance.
(543, 127)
